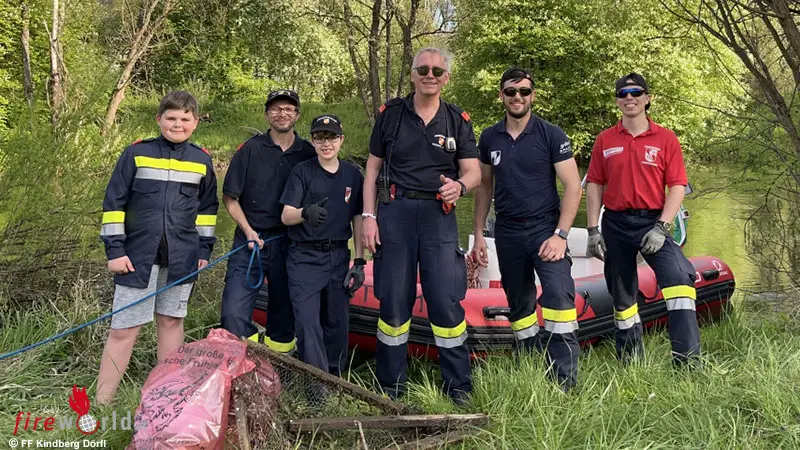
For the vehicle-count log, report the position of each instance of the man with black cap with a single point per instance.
(251, 193)
(521, 156)
(631, 165)
(322, 199)
(424, 150)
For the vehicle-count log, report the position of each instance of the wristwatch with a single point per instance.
(667, 225)
(561, 233)
(463, 187)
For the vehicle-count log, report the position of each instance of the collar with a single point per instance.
(652, 129)
(501, 126)
(176, 146)
(409, 102)
(296, 145)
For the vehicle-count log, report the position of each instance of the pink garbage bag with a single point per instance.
(186, 397)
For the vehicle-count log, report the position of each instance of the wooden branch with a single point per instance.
(435, 441)
(352, 389)
(240, 407)
(383, 422)
(26, 54)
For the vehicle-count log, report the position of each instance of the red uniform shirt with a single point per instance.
(636, 170)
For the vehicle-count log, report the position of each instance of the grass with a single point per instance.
(745, 396)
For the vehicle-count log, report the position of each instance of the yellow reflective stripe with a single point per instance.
(282, 347)
(254, 337)
(679, 291)
(627, 314)
(559, 315)
(170, 164)
(525, 322)
(206, 220)
(446, 332)
(393, 331)
(113, 216)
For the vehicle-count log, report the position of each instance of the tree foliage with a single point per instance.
(576, 50)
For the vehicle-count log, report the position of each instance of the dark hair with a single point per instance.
(181, 100)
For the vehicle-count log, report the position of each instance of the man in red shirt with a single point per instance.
(631, 165)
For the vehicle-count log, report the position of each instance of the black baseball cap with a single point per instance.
(515, 73)
(631, 79)
(283, 94)
(327, 122)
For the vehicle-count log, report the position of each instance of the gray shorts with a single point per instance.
(171, 302)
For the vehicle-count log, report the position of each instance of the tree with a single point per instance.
(25, 38)
(57, 91)
(143, 22)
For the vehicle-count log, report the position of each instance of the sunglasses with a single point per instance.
(423, 70)
(636, 92)
(523, 91)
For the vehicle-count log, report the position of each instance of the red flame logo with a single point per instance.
(79, 401)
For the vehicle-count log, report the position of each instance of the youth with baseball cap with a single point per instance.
(322, 201)
(631, 164)
(251, 193)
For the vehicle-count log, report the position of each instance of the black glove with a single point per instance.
(597, 245)
(654, 239)
(315, 214)
(356, 274)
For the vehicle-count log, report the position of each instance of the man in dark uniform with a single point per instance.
(632, 163)
(420, 144)
(251, 193)
(322, 199)
(525, 153)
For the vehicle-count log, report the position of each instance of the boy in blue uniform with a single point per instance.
(159, 214)
(322, 199)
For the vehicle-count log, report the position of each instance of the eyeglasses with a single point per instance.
(636, 92)
(275, 110)
(319, 140)
(423, 70)
(523, 91)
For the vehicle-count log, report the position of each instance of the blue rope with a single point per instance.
(256, 253)
(107, 315)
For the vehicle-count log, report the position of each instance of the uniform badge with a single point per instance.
(495, 157)
(650, 155)
(441, 141)
(347, 191)
(326, 121)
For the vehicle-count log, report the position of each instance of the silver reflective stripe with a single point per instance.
(112, 229)
(628, 323)
(674, 304)
(392, 341)
(185, 177)
(149, 173)
(526, 333)
(450, 342)
(206, 231)
(560, 327)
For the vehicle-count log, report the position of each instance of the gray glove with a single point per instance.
(654, 239)
(596, 246)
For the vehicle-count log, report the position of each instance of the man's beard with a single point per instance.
(520, 114)
(284, 129)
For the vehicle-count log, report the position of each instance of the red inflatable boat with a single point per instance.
(486, 309)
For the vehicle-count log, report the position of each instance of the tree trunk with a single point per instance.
(139, 45)
(387, 83)
(351, 48)
(56, 89)
(408, 45)
(27, 81)
(374, 64)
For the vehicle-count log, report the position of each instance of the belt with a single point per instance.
(272, 231)
(527, 219)
(638, 212)
(324, 245)
(421, 195)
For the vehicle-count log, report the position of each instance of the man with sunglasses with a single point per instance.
(631, 165)
(521, 156)
(426, 143)
(253, 186)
